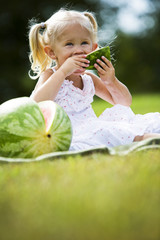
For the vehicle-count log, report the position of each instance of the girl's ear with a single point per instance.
(48, 50)
(95, 45)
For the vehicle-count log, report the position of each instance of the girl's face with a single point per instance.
(74, 40)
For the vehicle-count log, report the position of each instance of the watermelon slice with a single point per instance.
(93, 56)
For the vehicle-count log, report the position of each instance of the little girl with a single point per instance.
(66, 38)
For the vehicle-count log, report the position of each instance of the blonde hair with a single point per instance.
(42, 34)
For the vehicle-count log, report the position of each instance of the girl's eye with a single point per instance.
(69, 44)
(83, 43)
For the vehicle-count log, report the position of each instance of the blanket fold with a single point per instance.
(152, 143)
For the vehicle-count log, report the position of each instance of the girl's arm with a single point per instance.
(108, 87)
(48, 86)
(50, 82)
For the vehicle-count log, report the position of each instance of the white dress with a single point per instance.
(117, 125)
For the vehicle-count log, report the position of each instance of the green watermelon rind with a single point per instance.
(23, 131)
(93, 56)
(60, 129)
(20, 124)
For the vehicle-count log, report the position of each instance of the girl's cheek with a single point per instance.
(88, 50)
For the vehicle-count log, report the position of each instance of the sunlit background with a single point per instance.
(131, 28)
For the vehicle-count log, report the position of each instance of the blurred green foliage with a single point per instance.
(136, 57)
(138, 62)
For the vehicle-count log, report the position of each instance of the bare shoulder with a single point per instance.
(43, 77)
(95, 78)
(100, 88)
(46, 74)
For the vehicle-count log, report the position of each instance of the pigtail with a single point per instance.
(38, 58)
(92, 20)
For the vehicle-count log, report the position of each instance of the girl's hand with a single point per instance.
(105, 70)
(75, 64)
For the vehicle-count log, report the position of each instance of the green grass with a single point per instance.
(84, 198)
(140, 104)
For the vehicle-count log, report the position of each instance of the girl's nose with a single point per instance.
(78, 50)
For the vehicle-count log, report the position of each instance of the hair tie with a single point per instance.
(43, 25)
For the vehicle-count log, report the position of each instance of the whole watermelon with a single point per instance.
(29, 129)
(93, 56)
